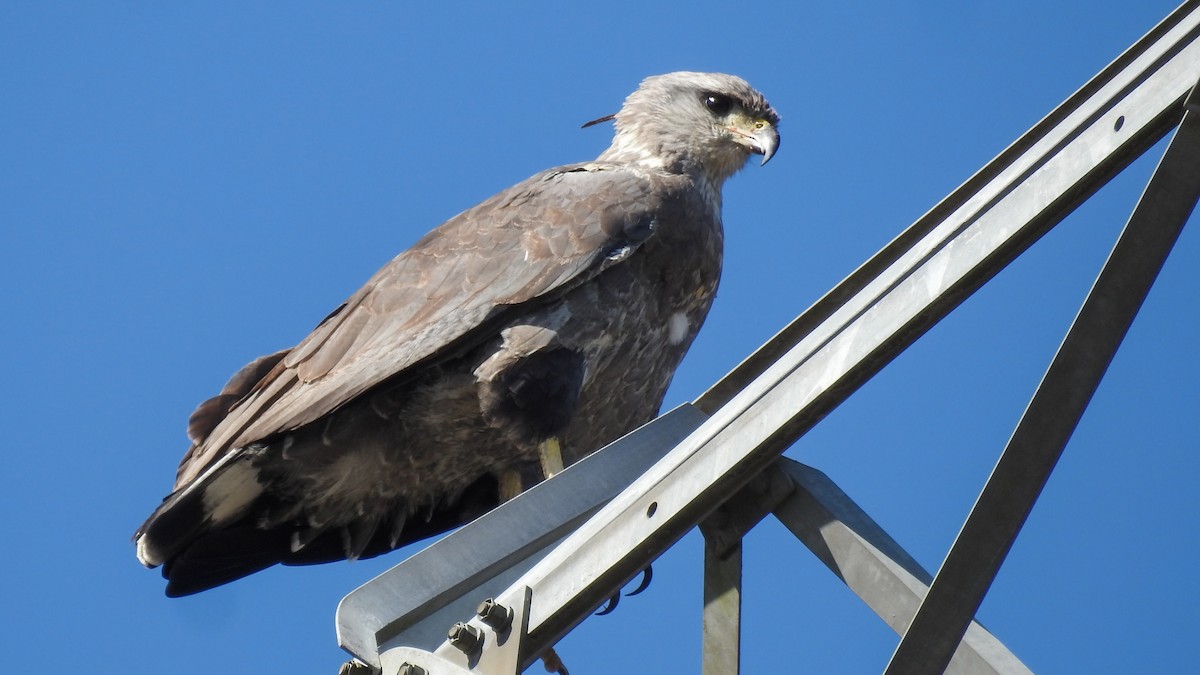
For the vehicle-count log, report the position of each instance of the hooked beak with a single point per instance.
(759, 135)
(765, 141)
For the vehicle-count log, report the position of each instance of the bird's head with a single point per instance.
(707, 123)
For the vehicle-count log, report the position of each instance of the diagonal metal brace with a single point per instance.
(1057, 405)
(875, 567)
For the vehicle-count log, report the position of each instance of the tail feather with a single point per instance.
(220, 497)
(201, 542)
(221, 557)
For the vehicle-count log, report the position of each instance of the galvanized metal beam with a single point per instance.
(721, 620)
(875, 567)
(415, 602)
(1057, 405)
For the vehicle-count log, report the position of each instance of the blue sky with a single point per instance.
(185, 186)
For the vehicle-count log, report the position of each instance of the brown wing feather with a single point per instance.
(541, 236)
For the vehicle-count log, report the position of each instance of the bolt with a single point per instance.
(356, 667)
(465, 638)
(495, 615)
(410, 669)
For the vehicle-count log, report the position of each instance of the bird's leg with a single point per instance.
(510, 484)
(550, 455)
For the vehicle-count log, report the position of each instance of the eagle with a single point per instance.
(512, 340)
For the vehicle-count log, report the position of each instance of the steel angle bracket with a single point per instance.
(413, 661)
(486, 645)
(414, 603)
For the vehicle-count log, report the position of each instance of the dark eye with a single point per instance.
(718, 103)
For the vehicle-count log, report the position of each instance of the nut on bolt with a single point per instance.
(465, 637)
(410, 669)
(356, 667)
(496, 616)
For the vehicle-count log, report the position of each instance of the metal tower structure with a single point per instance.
(513, 582)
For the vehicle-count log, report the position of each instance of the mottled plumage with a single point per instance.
(556, 311)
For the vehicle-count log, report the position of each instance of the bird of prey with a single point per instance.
(514, 339)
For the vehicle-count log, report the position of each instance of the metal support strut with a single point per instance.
(1057, 405)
